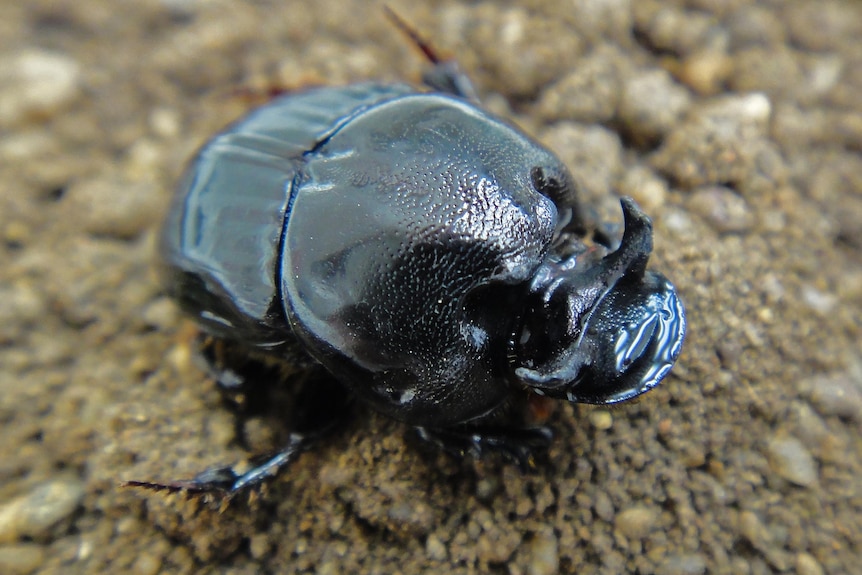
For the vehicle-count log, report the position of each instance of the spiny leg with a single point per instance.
(226, 482)
(445, 75)
(321, 406)
(245, 386)
(253, 383)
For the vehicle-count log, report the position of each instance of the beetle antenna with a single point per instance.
(412, 34)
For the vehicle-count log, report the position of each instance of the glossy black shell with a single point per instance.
(223, 237)
(395, 237)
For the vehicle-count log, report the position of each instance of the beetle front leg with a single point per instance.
(519, 445)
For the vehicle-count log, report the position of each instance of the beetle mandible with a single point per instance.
(429, 255)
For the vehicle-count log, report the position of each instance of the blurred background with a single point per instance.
(737, 125)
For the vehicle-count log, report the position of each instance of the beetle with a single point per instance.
(430, 256)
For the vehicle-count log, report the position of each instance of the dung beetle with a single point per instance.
(430, 256)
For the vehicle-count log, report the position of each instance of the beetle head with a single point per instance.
(600, 332)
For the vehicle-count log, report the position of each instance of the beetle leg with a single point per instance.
(321, 406)
(251, 382)
(225, 482)
(519, 445)
(445, 75)
(241, 381)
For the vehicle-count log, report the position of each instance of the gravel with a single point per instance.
(42, 513)
(738, 127)
(636, 522)
(22, 558)
(723, 209)
(36, 84)
(789, 459)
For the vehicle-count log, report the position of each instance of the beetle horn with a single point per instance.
(605, 333)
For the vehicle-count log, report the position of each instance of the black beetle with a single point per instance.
(429, 255)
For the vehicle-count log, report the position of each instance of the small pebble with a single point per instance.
(724, 142)
(820, 26)
(636, 522)
(729, 352)
(20, 302)
(693, 564)
(508, 40)
(36, 84)
(16, 233)
(834, 394)
(143, 159)
(836, 185)
(496, 546)
(260, 545)
(165, 122)
(544, 554)
(753, 530)
(328, 567)
(603, 506)
(647, 188)
(114, 207)
(161, 313)
(819, 301)
(807, 564)
(147, 564)
(411, 515)
(435, 548)
(602, 19)
(740, 110)
(811, 428)
(487, 488)
(21, 559)
(36, 513)
(789, 459)
(652, 104)
(705, 71)
(596, 151)
(849, 217)
(128, 525)
(724, 210)
(798, 128)
(694, 456)
(672, 29)
(679, 222)
(755, 25)
(601, 419)
(589, 94)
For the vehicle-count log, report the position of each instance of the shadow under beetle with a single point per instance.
(428, 255)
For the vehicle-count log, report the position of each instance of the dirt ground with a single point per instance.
(736, 125)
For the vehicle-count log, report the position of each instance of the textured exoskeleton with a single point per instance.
(428, 254)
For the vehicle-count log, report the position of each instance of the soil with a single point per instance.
(736, 125)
